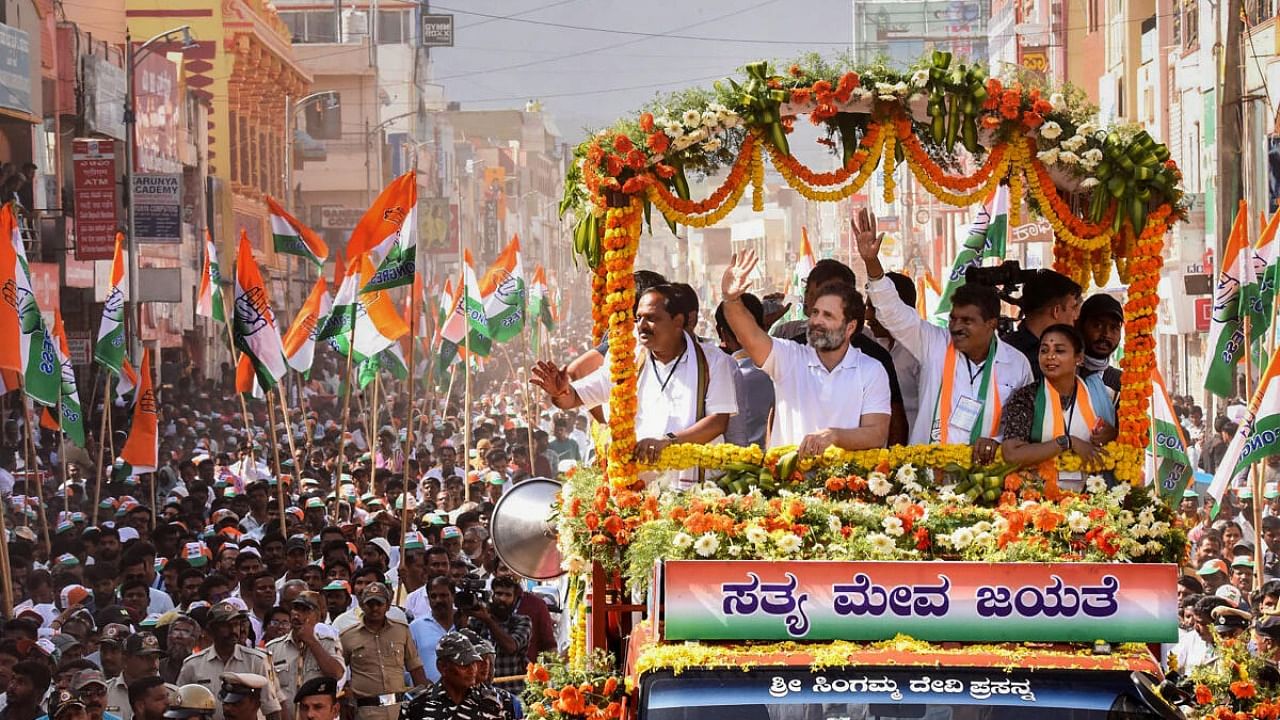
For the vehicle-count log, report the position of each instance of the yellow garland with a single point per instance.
(1015, 186)
(864, 174)
(890, 164)
(699, 221)
(1121, 459)
(757, 176)
(1060, 230)
(621, 240)
(979, 194)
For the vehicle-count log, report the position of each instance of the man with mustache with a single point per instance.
(826, 392)
(1101, 323)
(966, 372)
(685, 391)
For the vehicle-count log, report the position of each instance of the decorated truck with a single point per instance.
(907, 582)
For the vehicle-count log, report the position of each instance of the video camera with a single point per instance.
(1007, 278)
(471, 594)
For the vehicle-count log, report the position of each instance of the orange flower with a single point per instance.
(636, 160)
(614, 165)
(646, 122)
(795, 71)
(538, 673)
(622, 143)
(666, 172)
(610, 686)
(1047, 520)
(1012, 482)
(592, 521)
(1243, 689)
(1032, 119)
(801, 96)
(658, 142)
(835, 484)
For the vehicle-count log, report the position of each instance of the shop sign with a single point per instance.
(157, 207)
(932, 601)
(15, 69)
(104, 97)
(156, 99)
(438, 225)
(94, 190)
(437, 30)
(337, 217)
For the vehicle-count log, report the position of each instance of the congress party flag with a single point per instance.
(109, 349)
(502, 291)
(291, 237)
(388, 233)
(378, 325)
(540, 309)
(341, 315)
(1226, 331)
(72, 416)
(1260, 291)
(142, 448)
(209, 301)
(473, 308)
(11, 355)
(128, 382)
(986, 239)
(1258, 436)
(41, 375)
(300, 341)
(1167, 463)
(254, 328)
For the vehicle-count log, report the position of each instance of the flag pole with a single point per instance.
(103, 439)
(288, 429)
(1254, 478)
(275, 447)
(342, 434)
(6, 573)
(374, 429)
(44, 516)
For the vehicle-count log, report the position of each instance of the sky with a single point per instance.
(504, 54)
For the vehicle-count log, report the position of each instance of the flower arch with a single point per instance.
(1110, 193)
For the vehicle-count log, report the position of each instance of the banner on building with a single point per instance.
(437, 226)
(157, 207)
(104, 86)
(94, 191)
(15, 69)
(156, 98)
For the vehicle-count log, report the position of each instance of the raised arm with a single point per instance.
(901, 320)
(736, 281)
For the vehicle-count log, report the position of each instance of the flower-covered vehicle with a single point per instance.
(896, 583)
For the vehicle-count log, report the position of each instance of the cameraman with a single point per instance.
(430, 627)
(509, 631)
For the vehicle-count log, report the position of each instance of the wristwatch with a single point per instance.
(1064, 441)
(671, 436)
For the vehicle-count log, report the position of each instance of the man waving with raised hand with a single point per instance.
(827, 393)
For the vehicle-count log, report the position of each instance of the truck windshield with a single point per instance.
(891, 694)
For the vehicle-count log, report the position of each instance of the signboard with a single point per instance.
(437, 30)
(437, 226)
(1204, 313)
(934, 601)
(1039, 231)
(157, 207)
(94, 191)
(15, 69)
(104, 97)
(77, 273)
(45, 282)
(1034, 59)
(156, 98)
(888, 223)
(337, 217)
(80, 343)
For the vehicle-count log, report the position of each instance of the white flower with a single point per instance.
(1066, 157)
(709, 119)
(1086, 129)
(900, 88)
(707, 545)
(682, 142)
(789, 543)
(908, 478)
(1057, 100)
(881, 543)
(682, 541)
(1001, 525)
(673, 129)
(1050, 130)
(982, 526)
(1095, 484)
(756, 534)
(1089, 183)
(711, 145)
(1120, 491)
(879, 484)
(574, 563)
(1126, 518)
(1092, 155)
(861, 93)
(833, 522)
(1078, 522)
(901, 503)
(920, 78)
(893, 526)
(735, 550)
(692, 118)
(961, 538)
(884, 88)
(1048, 157)
(983, 538)
(699, 135)
(1147, 516)
(1154, 546)
(1073, 143)
(1159, 528)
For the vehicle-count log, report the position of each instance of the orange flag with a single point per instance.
(142, 449)
(10, 328)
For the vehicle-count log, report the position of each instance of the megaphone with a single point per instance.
(523, 534)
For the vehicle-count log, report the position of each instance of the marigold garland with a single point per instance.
(599, 321)
(621, 240)
(835, 177)
(757, 178)
(732, 184)
(871, 159)
(979, 194)
(890, 163)
(916, 153)
(1140, 319)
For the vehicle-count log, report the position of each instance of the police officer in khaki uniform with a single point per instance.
(141, 659)
(241, 695)
(227, 655)
(379, 651)
(301, 655)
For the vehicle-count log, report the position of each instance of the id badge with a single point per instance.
(965, 414)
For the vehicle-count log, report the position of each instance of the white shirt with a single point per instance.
(668, 403)
(928, 344)
(808, 397)
(907, 368)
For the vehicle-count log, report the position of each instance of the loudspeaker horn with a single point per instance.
(523, 532)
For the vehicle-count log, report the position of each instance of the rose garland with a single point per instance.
(621, 240)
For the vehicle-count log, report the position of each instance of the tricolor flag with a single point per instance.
(1260, 293)
(292, 237)
(72, 420)
(378, 325)
(109, 349)
(388, 232)
(540, 309)
(986, 239)
(300, 341)
(449, 326)
(473, 307)
(342, 311)
(209, 302)
(11, 355)
(26, 328)
(254, 326)
(128, 381)
(1167, 463)
(142, 448)
(502, 291)
(1256, 438)
(1226, 333)
(804, 264)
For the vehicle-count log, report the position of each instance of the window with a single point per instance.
(311, 26)
(1190, 25)
(324, 117)
(393, 27)
(297, 24)
(1094, 19)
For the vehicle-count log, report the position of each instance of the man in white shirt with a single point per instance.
(905, 364)
(826, 392)
(684, 390)
(966, 372)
